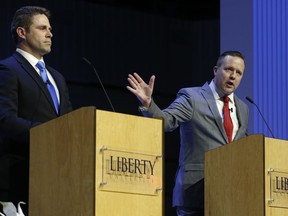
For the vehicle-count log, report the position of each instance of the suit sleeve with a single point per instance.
(180, 110)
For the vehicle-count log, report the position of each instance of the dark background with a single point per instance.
(176, 40)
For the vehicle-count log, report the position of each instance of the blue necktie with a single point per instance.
(49, 85)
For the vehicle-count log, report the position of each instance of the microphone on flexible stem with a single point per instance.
(252, 102)
(88, 62)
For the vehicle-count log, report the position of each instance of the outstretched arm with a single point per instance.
(142, 90)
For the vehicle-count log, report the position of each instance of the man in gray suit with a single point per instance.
(198, 113)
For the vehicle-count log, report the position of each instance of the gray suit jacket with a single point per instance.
(201, 129)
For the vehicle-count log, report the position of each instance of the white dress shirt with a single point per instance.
(220, 105)
(33, 61)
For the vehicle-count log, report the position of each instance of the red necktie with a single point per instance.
(228, 125)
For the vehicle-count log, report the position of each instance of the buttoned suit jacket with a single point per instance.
(201, 129)
(24, 103)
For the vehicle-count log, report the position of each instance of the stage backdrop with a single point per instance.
(180, 50)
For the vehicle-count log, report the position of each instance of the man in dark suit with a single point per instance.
(25, 100)
(198, 113)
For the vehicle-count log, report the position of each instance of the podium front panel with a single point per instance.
(129, 165)
(247, 177)
(276, 177)
(70, 173)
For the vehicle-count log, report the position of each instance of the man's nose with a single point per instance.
(233, 74)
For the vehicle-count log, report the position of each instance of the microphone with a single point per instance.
(88, 62)
(231, 109)
(252, 102)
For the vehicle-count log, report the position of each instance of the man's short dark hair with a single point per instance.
(23, 18)
(229, 53)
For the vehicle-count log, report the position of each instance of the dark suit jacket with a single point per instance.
(201, 129)
(24, 103)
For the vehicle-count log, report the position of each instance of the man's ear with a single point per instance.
(21, 32)
(215, 68)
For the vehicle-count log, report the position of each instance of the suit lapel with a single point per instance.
(239, 115)
(35, 76)
(209, 97)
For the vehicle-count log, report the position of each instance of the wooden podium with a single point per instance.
(96, 163)
(247, 177)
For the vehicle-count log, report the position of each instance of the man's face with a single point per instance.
(37, 40)
(228, 75)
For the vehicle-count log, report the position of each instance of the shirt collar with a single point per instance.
(30, 58)
(217, 96)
